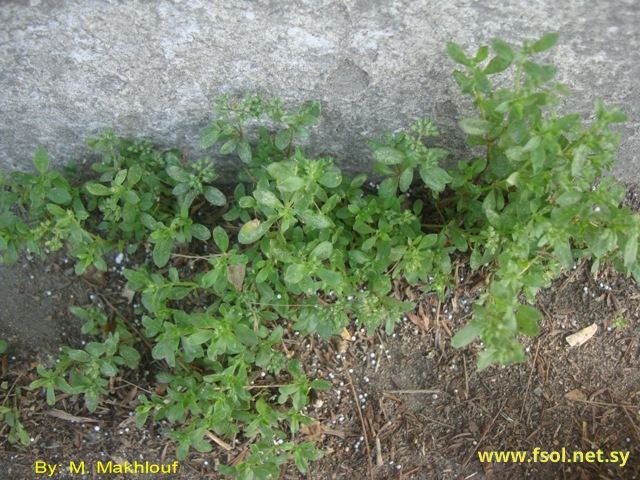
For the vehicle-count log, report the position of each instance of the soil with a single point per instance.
(402, 406)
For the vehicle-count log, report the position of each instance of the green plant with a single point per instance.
(319, 249)
(619, 323)
(536, 201)
(10, 414)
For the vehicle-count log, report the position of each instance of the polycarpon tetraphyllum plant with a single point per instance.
(300, 245)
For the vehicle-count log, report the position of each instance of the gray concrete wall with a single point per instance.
(70, 69)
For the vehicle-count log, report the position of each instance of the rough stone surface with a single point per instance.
(152, 69)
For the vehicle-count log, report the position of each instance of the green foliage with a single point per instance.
(89, 370)
(300, 241)
(10, 414)
(17, 433)
(537, 200)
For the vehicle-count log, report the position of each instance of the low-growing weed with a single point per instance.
(301, 245)
(10, 413)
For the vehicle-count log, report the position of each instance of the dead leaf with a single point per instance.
(416, 320)
(94, 276)
(473, 427)
(235, 275)
(128, 293)
(62, 415)
(312, 432)
(346, 335)
(576, 395)
(582, 336)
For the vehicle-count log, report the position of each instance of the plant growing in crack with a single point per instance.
(302, 246)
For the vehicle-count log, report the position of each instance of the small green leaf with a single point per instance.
(532, 144)
(475, 126)
(291, 184)
(331, 178)
(406, 177)
(200, 232)
(388, 187)
(246, 335)
(546, 42)
(502, 49)
(244, 150)
(131, 197)
(178, 174)
(98, 189)
(120, 177)
(485, 359)
(295, 273)
(482, 54)
(162, 251)
(388, 155)
(268, 199)
(562, 251)
(283, 139)
(41, 160)
(497, 65)
(579, 158)
(56, 211)
(322, 251)
(528, 318)
(331, 278)
(457, 55)
(434, 177)
(221, 238)
(130, 355)
(466, 335)
(214, 196)
(79, 356)
(229, 146)
(253, 231)
(59, 195)
(315, 220)
(631, 251)
(247, 202)
(209, 136)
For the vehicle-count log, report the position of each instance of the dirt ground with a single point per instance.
(404, 406)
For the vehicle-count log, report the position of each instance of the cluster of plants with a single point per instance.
(302, 246)
(10, 413)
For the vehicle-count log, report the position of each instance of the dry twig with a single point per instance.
(364, 429)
